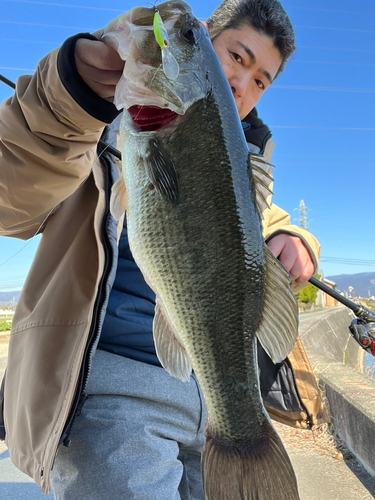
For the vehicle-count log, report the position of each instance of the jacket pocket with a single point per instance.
(2, 424)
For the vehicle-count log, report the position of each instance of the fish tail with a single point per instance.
(253, 469)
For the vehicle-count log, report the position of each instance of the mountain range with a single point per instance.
(6, 297)
(363, 283)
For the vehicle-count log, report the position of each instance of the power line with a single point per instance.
(300, 164)
(334, 48)
(330, 62)
(66, 5)
(323, 89)
(343, 260)
(48, 25)
(325, 156)
(331, 29)
(29, 41)
(17, 69)
(330, 10)
(362, 129)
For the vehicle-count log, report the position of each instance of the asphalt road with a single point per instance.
(322, 472)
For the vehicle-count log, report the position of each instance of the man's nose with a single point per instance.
(239, 86)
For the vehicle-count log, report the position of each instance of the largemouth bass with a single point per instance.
(193, 205)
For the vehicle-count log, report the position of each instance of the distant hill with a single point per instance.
(361, 282)
(6, 297)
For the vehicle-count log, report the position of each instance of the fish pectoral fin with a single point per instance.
(169, 349)
(262, 179)
(162, 172)
(278, 327)
(118, 198)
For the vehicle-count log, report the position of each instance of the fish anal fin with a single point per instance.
(162, 172)
(278, 327)
(118, 198)
(169, 349)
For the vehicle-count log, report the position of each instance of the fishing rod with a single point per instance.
(7, 82)
(362, 328)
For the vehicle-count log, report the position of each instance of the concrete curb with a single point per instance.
(350, 394)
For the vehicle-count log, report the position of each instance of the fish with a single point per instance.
(194, 197)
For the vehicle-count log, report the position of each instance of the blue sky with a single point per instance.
(321, 111)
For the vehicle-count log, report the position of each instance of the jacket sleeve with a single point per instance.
(277, 221)
(47, 147)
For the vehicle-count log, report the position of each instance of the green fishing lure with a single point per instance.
(170, 65)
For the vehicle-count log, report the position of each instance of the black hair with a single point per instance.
(268, 17)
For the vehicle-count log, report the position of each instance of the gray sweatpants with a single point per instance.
(139, 436)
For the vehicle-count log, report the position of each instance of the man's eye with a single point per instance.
(237, 58)
(260, 84)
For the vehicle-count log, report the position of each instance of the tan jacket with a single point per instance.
(52, 180)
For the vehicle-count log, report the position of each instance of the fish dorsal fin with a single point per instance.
(162, 172)
(262, 178)
(278, 327)
(118, 198)
(169, 348)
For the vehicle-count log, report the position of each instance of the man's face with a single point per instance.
(250, 62)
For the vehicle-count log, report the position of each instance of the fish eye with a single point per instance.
(190, 34)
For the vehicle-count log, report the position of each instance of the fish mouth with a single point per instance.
(151, 118)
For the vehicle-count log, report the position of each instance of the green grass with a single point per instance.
(5, 326)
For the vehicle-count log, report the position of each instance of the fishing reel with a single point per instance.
(364, 334)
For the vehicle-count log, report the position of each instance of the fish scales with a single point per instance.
(200, 270)
(194, 230)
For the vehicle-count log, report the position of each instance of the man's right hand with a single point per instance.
(100, 66)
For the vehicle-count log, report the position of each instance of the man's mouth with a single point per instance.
(151, 118)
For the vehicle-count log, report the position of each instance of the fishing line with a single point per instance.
(10, 258)
(106, 147)
(148, 90)
(153, 5)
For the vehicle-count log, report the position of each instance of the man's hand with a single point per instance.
(295, 257)
(100, 66)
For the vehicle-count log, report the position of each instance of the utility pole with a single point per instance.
(303, 219)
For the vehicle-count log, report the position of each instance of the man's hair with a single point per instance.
(268, 17)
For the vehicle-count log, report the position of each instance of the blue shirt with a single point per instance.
(127, 327)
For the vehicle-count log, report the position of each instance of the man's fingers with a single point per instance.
(100, 66)
(289, 259)
(297, 270)
(98, 34)
(276, 245)
(294, 256)
(305, 273)
(98, 55)
(104, 77)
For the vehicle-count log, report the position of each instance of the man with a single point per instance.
(137, 432)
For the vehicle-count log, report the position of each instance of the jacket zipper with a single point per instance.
(98, 317)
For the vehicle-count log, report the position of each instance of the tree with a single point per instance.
(308, 294)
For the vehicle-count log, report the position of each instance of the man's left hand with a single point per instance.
(295, 257)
